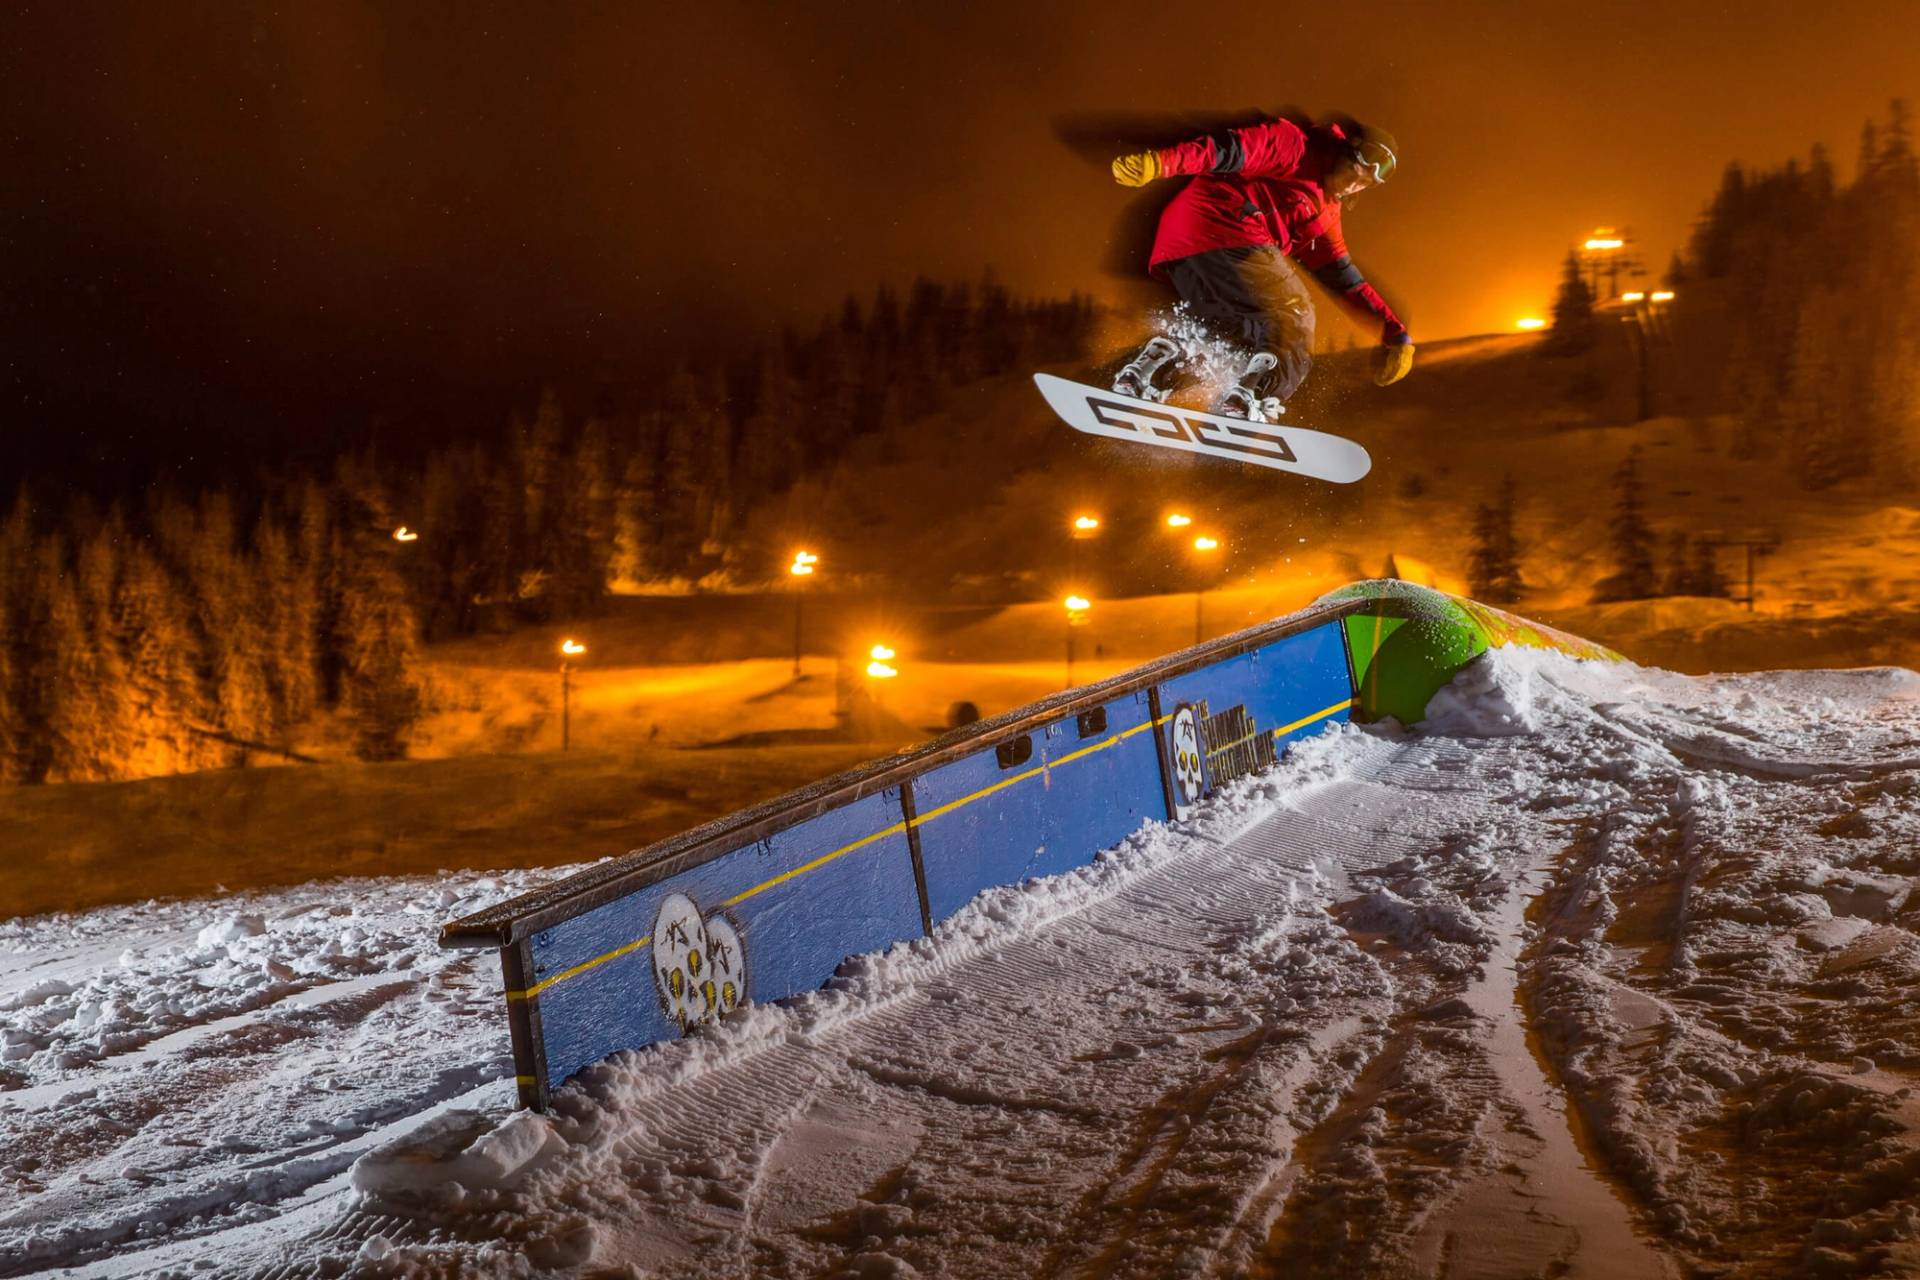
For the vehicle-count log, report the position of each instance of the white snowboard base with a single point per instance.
(1265, 444)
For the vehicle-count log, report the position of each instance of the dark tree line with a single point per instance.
(1643, 566)
(1818, 282)
(693, 484)
(169, 634)
(178, 635)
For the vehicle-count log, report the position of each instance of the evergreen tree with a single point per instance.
(157, 649)
(682, 499)
(998, 334)
(291, 625)
(503, 558)
(1824, 410)
(636, 529)
(1868, 164)
(1712, 246)
(1572, 309)
(444, 568)
(883, 338)
(381, 681)
(1820, 180)
(769, 450)
(1707, 579)
(317, 542)
(55, 717)
(1629, 537)
(105, 736)
(1678, 578)
(1494, 567)
(593, 473)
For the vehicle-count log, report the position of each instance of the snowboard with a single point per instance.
(1266, 444)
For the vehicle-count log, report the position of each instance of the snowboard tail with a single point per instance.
(1282, 447)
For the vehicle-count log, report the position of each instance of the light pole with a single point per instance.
(1755, 545)
(569, 650)
(798, 571)
(1078, 608)
(1604, 245)
(1203, 547)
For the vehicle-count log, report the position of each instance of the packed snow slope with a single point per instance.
(1603, 971)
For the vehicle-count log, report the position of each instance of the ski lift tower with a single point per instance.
(1608, 252)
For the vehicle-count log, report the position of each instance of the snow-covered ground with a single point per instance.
(1604, 972)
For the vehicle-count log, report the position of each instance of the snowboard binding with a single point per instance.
(1244, 399)
(1135, 378)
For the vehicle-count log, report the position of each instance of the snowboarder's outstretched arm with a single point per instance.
(1334, 267)
(1275, 147)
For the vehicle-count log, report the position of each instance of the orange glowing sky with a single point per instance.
(217, 210)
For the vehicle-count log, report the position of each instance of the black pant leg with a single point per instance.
(1252, 296)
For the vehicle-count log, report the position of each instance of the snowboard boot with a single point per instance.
(1136, 378)
(1244, 399)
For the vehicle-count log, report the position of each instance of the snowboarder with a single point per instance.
(1258, 196)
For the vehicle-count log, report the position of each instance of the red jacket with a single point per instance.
(1261, 185)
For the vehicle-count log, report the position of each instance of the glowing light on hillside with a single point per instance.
(404, 534)
(572, 648)
(1204, 543)
(1662, 295)
(880, 670)
(803, 562)
(1078, 603)
(1600, 244)
(1529, 323)
(1086, 524)
(880, 653)
(1178, 521)
(1635, 296)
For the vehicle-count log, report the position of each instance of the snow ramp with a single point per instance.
(767, 903)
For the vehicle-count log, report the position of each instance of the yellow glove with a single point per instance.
(1392, 362)
(1136, 170)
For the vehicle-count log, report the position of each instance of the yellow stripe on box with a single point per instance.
(578, 969)
(820, 861)
(1304, 721)
(895, 829)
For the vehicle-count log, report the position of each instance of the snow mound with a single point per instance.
(1352, 1018)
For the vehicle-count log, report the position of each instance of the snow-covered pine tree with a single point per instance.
(380, 680)
(158, 651)
(107, 737)
(289, 605)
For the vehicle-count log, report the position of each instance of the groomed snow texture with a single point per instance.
(1602, 972)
